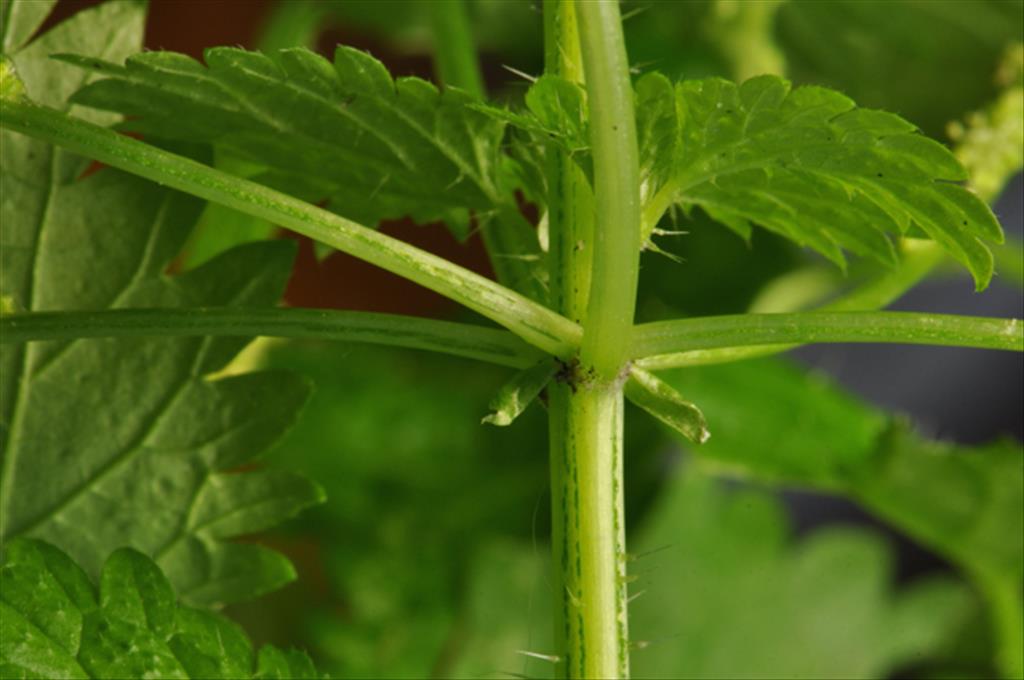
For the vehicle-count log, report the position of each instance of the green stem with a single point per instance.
(616, 252)
(920, 258)
(536, 324)
(454, 52)
(569, 239)
(665, 344)
(589, 541)
(592, 276)
(474, 342)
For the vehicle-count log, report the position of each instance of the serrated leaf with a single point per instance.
(56, 625)
(376, 147)
(108, 442)
(809, 165)
(519, 392)
(723, 567)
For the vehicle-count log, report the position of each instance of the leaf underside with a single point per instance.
(55, 624)
(376, 147)
(130, 442)
(808, 164)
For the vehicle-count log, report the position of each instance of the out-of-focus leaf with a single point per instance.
(19, 19)
(108, 443)
(745, 32)
(930, 61)
(782, 424)
(510, 578)
(991, 144)
(966, 503)
(721, 568)
(55, 624)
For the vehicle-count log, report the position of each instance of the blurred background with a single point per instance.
(429, 557)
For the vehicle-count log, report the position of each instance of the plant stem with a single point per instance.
(592, 277)
(474, 342)
(536, 324)
(919, 258)
(616, 252)
(589, 542)
(455, 55)
(507, 236)
(665, 344)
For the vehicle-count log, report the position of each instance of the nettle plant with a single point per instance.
(129, 429)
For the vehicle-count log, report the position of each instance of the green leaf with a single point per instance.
(19, 19)
(782, 424)
(775, 422)
(964, 502)
(723, 568)
(809, 165)
(376, 147)
(794, 428)
(519, 392)
(140, 452)
(54, 625)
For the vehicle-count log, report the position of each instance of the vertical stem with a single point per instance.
(615, 267)
(455, 54)
(586, 408)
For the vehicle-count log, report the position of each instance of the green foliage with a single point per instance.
(807, 164)
(432, 553)
(775, 423)
(377, 147)
(798, 428)
(722, 567)
(143, 450)
(56, 624)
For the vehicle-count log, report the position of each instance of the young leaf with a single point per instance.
(55, 624)
(726, 569)
(659, 399)
(808, 164)
(115, 442)
(376, 147)
(517, 394)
